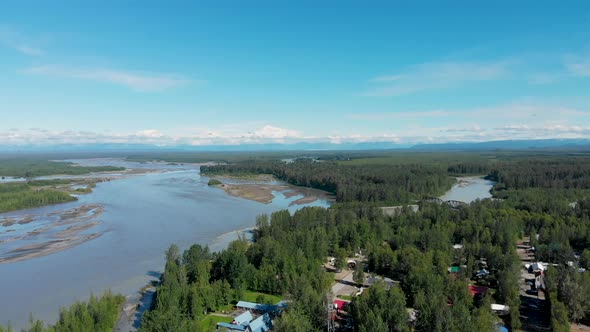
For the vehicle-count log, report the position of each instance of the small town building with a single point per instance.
(260, 324)
(500, 309)
(351, 263)
(243, 319)
(454, 269)
(478, 291)
(370, 280)
(246, 322)
(536, 268)
(339, 303)
(254, 307)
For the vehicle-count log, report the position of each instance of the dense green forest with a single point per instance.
(32, 167)
(97, 315)
(287, 255)
(36, 193)
(371, 183)
(16, 196)
(544, 198)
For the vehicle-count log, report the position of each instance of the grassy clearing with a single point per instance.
(251, 296)
(209, 323)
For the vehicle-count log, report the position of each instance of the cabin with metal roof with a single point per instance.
(260, 324)
(230, 327)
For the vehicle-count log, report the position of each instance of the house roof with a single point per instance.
(244, 319)
(261, 324)
(501, 328)
(477, 290)
(483, 271)
(232, 327)
(371, 280)
(253, 306)
(340, 303)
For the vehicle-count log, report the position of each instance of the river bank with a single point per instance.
(137, 304)
(468, 189)
(264, 188)
(142, 215)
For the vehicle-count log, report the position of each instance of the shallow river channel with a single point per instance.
(140, 216)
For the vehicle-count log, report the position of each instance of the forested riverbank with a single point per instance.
(30, 192)
(17, 196)
(370, 183)
(417, 250)
(99, 314)
(27, 167)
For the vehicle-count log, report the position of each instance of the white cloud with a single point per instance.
(11, 38)
(381, 116)
(518, 120)
(150, 133)
(136, 81)
(520, 110)
(544, 78)
(519, 127)
(473, 129)
(578, 65)
(437, 75)
(28, 50)
(275, 132)
(270, 134)
(264, 135)
(387, 78)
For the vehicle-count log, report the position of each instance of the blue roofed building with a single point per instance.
(260, 324)
(255, 307)
(243, 319)
(230, 327)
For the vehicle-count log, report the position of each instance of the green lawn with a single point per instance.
(345, 297)
(228, 307)
(251, 296)
(209, 323)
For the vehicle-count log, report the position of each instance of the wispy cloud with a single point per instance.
(29, 50)
(136, 81)
(437, 75)
(544, 78)
(11, 38)
(381, 116)
(519, 127)
(578, 65)
(521, 110)
(472, 129)
(389, 78)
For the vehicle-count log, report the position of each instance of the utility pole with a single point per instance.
(330, 313)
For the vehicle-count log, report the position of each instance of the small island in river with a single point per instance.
(263, 188)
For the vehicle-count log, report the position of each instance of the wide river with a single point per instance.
(143, 215)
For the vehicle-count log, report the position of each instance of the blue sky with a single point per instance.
(231, 72)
